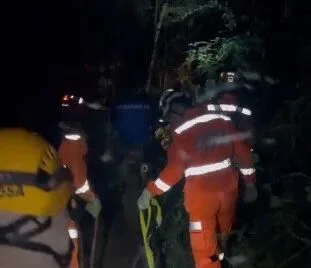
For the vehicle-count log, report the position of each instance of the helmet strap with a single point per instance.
(178, 109)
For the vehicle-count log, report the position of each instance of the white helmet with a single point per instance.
(171, 96)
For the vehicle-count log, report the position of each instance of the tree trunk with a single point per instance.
(155, 46)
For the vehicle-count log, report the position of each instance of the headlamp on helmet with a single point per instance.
(228, 77)
(71, 100)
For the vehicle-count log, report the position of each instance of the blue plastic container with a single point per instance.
(133, 119)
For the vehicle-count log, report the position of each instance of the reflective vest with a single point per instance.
(204, 151)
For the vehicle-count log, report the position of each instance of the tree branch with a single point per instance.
(293, 257)
(192, 13)
(155, 45)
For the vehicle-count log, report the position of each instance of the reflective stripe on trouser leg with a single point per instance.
(203, 241)
(73, 234)
(74, 257)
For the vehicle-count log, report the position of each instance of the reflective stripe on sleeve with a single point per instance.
(73, 233)
(246, 111)
(195, 226)
(229, 108)
(204, 169)
(200, 119)
(162, 185)
(73, 137)
(211, 107)
(83, 189)
(221, 256)
(247, 171)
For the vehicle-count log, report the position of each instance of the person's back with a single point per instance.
(207, 159)
(227, 104)
(35, 191)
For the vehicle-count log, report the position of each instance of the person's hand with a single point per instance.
(107, 156)
(250, 194)
(94, 208)
(94, 105)
(73, 203)
(143, 201)
(88, 196)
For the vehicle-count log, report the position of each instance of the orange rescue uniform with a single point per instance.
(227, 104)
(72, 152)
(205, 152)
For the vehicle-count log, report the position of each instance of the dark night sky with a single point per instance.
(48, 42)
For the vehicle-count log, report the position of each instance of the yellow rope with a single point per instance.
(145, 228)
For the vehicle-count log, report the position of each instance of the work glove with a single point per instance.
(107, 156)
(143, 201)
(250, 194)
(94, 105)
(94, 208)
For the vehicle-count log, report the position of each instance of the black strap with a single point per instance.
(14, 225)
(214, 258)
(13, 230)
(17, 178)
(239, 109)
(62, 260)
(42, 180)
(218, 108)
(48, 182)
(11, 235)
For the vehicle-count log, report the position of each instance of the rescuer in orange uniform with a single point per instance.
(211, 170)
(226, 103)
(72, 152)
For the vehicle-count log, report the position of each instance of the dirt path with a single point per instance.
(124, 239)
